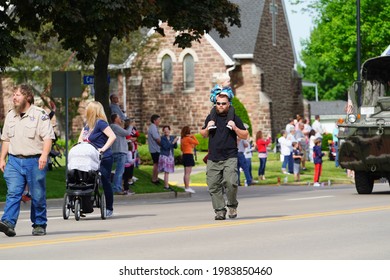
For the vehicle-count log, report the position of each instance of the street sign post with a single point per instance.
(66, 84)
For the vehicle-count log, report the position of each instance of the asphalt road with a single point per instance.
(278, 223)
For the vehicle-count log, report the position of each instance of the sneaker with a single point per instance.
(190, 190)
(38, 231)
(245, 183)
(135, 179)
(316, 184)
(109, 213)
(220, 215)
(120, 193)
(7, 229)
(129, 192)
(232, 213)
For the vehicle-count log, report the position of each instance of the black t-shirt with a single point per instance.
(297, 153)
(223, 141)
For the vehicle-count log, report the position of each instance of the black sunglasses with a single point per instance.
(221, 103)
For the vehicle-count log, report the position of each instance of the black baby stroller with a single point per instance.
(82, 182)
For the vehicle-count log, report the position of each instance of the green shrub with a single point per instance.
(203, 143)
(241, 111)
(141, 138)
(326, 139)
(146, 158)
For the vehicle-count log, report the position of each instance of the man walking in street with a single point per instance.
(222, 159)
(26, 139)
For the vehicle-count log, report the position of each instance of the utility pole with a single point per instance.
(358, 43)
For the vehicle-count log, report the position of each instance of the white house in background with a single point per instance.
(329, 112)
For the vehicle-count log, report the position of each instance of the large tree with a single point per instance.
(330, 53)
(88, 27)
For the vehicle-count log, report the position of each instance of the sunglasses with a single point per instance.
(221, 103)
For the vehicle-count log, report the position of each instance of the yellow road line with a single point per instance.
(219, 224)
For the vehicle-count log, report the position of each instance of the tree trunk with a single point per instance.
(101, 73)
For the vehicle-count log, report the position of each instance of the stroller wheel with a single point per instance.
(103, 210)
(77, 209)
(66, 207)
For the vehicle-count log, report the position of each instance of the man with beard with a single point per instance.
(26, 139)
(222, 160)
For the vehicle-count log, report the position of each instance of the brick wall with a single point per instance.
(281, 83)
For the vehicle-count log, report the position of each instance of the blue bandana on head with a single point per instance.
(218, 90)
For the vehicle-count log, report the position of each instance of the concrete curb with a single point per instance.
(58, 202)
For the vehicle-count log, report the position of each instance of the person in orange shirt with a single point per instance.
(187, 145)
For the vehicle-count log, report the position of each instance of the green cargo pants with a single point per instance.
(222, 177)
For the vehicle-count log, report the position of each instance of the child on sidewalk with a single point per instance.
(222, 87)
(317, 157)
(297, 156)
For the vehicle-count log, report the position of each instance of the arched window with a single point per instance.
(167, 73)
(188, 72)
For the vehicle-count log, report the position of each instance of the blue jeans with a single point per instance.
(288, 160)
(105, 170)
(263, 162)
(249, 165)
(17, 173)
(119, 160)
(241, 162)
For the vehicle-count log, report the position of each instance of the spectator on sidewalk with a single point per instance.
(119, 153)
(154, 141)
(302, 143)
(248, 153)
(286, 152)
(317, 155)
(317, 126)
(129, 169)
(242, 144)
(166, 161)
(187, 146)
(297, 156)
(262, 152)
(114, 107)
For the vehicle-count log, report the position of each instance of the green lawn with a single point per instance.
(56, 178)
(273, 172)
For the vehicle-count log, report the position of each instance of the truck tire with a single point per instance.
(364, 182)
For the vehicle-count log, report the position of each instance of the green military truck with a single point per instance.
(364, 136)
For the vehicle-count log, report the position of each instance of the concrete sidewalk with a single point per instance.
(176, 178)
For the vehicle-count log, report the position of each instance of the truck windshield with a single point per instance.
(372, 90)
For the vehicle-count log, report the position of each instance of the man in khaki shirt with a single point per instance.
(26, 139)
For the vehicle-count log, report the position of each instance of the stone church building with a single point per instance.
(259, 57)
